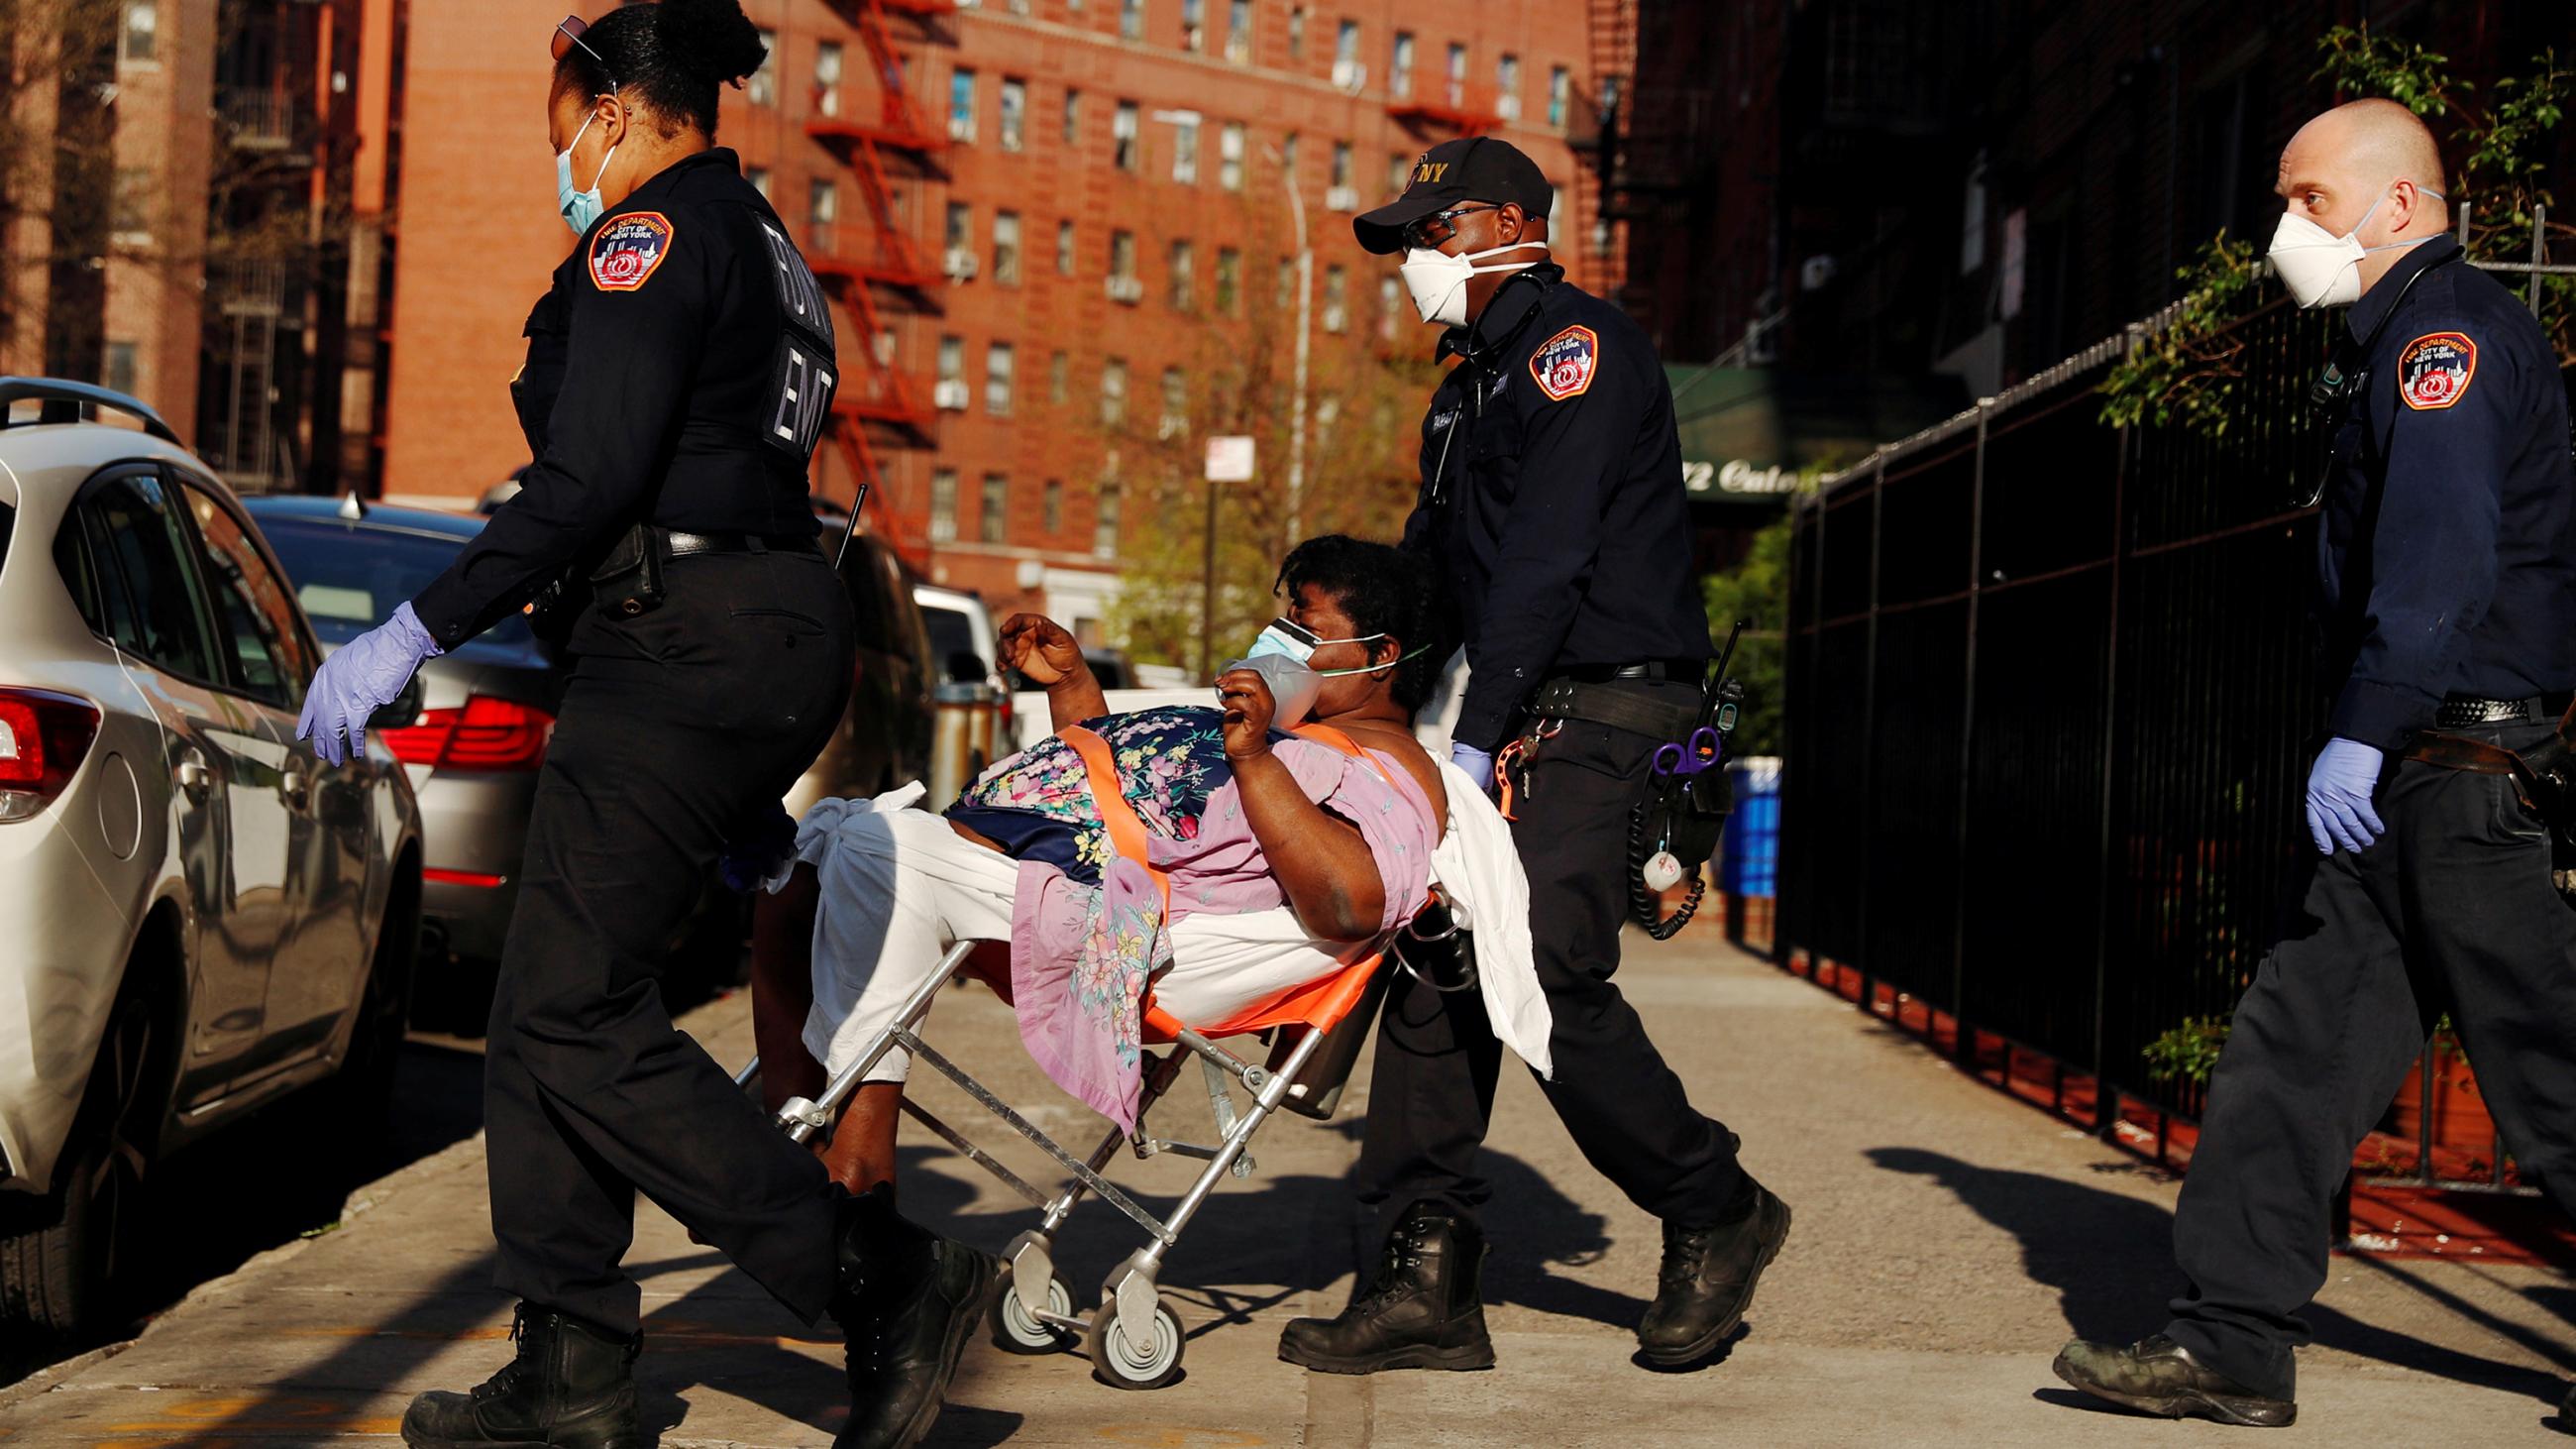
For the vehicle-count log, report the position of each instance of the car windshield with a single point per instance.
(950, 634)
(352, 578)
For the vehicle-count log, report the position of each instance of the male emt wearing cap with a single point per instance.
(2447, 592)
(1552, 507)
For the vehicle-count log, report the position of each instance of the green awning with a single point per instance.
(1747, 432)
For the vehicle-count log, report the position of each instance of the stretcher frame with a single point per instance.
(1134, 1338)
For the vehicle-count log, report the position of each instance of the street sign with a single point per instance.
(1229, 460)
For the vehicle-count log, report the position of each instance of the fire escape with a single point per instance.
(1594, 132)
(879, 267)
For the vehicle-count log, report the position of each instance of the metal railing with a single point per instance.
(2050, 710)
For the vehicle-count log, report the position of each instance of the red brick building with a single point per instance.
(1035, 215)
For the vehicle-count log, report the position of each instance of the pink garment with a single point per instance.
(1081, 957)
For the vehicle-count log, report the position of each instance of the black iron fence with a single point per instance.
(2050, 708)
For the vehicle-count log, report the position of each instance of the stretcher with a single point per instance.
(1313, 1035)
(1134, 1339)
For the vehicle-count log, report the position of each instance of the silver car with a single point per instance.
(202, 916)
(487, 711)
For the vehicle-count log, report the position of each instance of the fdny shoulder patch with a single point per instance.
(1563, 365)
(2434, 369)
(627, 249)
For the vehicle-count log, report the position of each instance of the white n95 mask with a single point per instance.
(1438, 280)
(2322, 269)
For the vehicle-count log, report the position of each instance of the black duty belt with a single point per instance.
(2461, 711)
(1688, 670)
(1621, 709)
(676, 544)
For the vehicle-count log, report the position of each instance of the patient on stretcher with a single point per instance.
(1234, 859)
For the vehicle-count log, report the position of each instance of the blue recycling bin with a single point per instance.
(1749, 853)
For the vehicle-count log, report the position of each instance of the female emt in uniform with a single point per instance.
(678, 374)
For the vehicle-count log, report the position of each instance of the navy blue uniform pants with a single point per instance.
(1431, 1093)
(2451, 910)
(677, 728)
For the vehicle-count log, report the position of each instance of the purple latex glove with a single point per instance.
(1477, 763)
(363, 677)
(2339, 789)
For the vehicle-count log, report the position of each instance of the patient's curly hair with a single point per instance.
(1385, 591)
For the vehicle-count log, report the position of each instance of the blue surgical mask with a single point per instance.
(579, 208)
(1288, 637)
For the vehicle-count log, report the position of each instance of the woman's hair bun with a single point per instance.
(712, 37)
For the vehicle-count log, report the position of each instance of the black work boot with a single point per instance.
(1420, 1311)
(570, 1385)
(1707, 1279)
(2159, 1376)
(909, 1300)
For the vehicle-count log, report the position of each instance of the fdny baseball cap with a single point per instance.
(1471, 168)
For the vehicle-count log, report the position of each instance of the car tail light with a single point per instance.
(487, 734)
(43, 738)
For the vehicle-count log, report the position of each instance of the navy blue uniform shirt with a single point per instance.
(2447, 549)
(678, 373)
(1552, 498)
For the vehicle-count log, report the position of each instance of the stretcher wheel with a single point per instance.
(1014, 1331)
(1123, 1363)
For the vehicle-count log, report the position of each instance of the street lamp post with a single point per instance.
(1305, 331)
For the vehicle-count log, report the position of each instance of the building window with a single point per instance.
(883, 347)
(1059, 377)
(1176, 403)
(943, 505)
(1194, 25)
(1015, 115)
(130, 207)
(1064, 248)
(1238, 32)
(140, 37)
(996, 508)
(1122, 136)
(124, 373)
(827, 78)
(1113, 392)
(1560, 86)
(822, 209)
(1072, 116)
(961, 227)
(1051, 508)
(961, 104)
(1389, 297)
(1229, 156)
(761, 88)
(1184, 275)
(1006, 248)
(1285, 292)
(1341, 165)
(1337, 313)
(1104, 525)
(1399, 66)
(1396, 167)
(758, 176)
(1131, 19)
(1185, 152)
(1297, 33)
(1457, 93)
(1000, 368)
(952, 358)
(1288, 155)
(1507, 82)
(1229, 282)
(1122, 254)
(1346, 55)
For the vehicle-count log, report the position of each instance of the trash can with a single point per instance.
(1749, 852)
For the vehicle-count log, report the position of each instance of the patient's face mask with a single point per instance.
(1279, 655)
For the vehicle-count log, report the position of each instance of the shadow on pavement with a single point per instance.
(2110, 1259)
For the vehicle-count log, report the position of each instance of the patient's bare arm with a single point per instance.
(1325, 869)
(1039, 647)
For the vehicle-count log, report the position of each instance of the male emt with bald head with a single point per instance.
(2446, 559)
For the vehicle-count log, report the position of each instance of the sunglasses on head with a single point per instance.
(568, 33)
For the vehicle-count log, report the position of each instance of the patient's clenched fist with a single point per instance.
(1245, 696)
(1039, 647)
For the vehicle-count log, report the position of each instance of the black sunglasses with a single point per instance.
(1427, 232)
(568, 33)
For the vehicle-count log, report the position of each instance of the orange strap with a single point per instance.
(1327, 735)
(1126, 828)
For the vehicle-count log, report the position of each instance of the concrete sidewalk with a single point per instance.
(1947, 1240)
